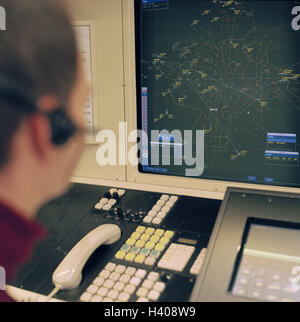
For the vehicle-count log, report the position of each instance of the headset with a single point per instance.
(62, 127)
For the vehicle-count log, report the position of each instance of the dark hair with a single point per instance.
(38, 56)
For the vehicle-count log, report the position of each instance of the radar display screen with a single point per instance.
(218, 88)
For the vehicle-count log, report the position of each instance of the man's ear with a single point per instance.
(47, 103)
(41, 135)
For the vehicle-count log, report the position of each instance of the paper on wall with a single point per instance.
(83, 34)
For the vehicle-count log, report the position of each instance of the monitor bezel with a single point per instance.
(211, 184)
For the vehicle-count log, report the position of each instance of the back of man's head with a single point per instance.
(37, 57)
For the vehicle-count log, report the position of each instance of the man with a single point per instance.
(42, 92)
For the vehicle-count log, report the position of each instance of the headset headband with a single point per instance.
(19, 98)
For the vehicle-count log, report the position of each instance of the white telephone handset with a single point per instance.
(68, 274)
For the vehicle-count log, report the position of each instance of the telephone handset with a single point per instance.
(68, 274)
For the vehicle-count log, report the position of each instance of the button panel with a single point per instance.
(110, 199)
(109, 208)
(122, 283)
(145, 245)
(160, 210)
(127, 277)
(176, 257)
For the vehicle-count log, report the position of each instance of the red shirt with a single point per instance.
(17, 239)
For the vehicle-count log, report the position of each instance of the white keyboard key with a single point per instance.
(107, 299)
(106, 207)
(176, 257)
(196, 267)
(114, 276)
(195, 270)
(98, 281)
(156, 208)
(166, 209)
(86, 297)
(121, 192)
(102, 291)
(130, 271)
(148, 284)
(125, 278)
(129, 289)
(135, 281)
(163, 263)
(152, 213)
(104, 274)
(120, 269)
(119, 286)
(160, 202)
(173, 198)
(165, 197)
(110, 267)
(142, 299)
(159, 286)
(161, 214)
(92, 289)
(124, 297)
(113, 294)
(141, 273)
(156, 221)
(190, 250)
(103, 201)
(142, 292)
(147, 219)
(153, 276)
(169, 204)
(108, 284)
(98, 206)
(149, 261)
(153, 295)
(112, 191)
(203, 251)
(96, 298)
(112, 202)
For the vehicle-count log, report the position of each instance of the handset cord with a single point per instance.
(54, 292)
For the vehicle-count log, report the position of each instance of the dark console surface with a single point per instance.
(160, 253)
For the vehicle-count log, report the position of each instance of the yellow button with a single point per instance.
(164, 240)
(169, 234)
(120, 254)
(150, 245)
(160, 247)
(159, 232)
(140, 243)
(130, 257)
(140, 229)
(135, 235)
(150, 231)
(130, 241)
(154, 239)
(145, 237)
(140, 259)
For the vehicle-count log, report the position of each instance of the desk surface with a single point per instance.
(70, 218)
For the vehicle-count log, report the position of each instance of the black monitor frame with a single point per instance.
(138, 69)
(240, 208)
(138, 66)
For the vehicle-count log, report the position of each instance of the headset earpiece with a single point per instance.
(61, 126)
